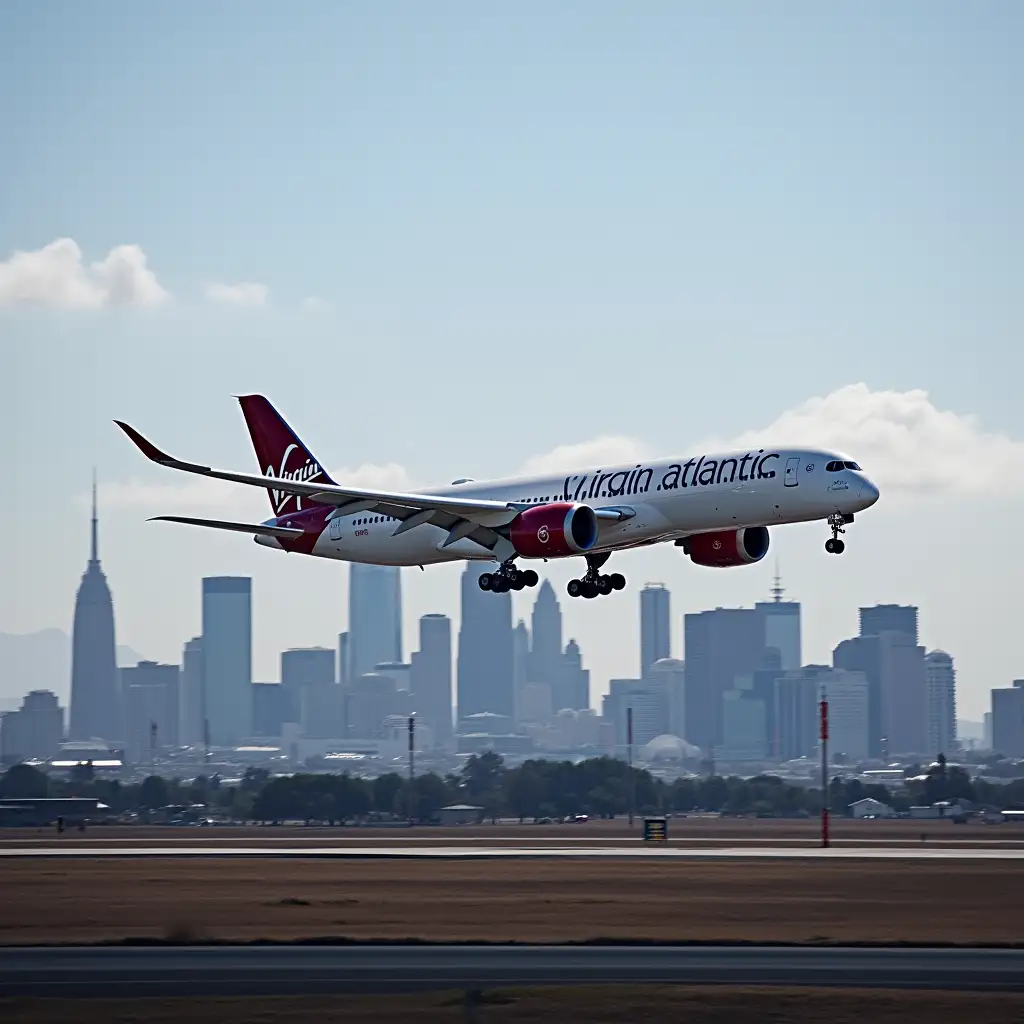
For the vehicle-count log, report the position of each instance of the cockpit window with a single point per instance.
(852, 465)
(833, 467)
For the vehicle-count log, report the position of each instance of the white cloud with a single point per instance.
(56, 276)
(245, 293)
(901, 439)
(601, 451)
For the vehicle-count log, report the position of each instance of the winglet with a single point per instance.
(148, 449)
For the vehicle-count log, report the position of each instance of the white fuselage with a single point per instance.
(669, 499)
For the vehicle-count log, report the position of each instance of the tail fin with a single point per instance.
(280, 452)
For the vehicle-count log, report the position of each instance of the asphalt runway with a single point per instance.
(81, 972)
(525, 852)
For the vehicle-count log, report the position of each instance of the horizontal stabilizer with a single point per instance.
(281, 532)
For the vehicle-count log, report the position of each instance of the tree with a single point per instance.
(385, 792)
(82, 775)
(482, 777)
(23, 782)
(153, 792)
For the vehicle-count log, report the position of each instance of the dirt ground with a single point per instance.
(701, 831)
(597, 1005)
(554, 900)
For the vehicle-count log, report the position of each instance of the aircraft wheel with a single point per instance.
(486, 581)
(590, 590)
(603, 584)
(838, 546)
(574, 588)
(618, 581)
(530, 578)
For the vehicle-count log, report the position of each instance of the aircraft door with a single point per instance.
(792, 465)
(335, 529)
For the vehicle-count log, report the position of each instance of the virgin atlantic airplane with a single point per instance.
(716, 507)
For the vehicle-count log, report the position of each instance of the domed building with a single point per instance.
(669, 748)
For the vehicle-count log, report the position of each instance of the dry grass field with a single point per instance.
(650, 1005)
(557, 900)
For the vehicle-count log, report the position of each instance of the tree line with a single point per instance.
(600, 787)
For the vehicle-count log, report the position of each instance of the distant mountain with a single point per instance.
(41, 661)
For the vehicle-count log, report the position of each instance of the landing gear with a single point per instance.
(593, 583)
(507, 578)
(835, 546)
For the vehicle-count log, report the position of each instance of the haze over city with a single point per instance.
(634, 236)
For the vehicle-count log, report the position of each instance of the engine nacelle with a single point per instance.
(555, 530)
(728, 547)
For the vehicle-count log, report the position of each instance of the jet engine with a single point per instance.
(555, 530)
(728, 547)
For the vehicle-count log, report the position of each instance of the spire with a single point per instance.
(94, 553)
(777, 590)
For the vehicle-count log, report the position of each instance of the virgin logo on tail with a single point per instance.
(308, 471)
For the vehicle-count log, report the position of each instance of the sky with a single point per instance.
(463, 240)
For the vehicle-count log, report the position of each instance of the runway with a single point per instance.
(641, 852)
(79, 972)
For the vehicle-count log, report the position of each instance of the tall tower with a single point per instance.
(486, 661)
(781, 625)
(374, 617)
(545, 664)
(655, 626)
(227, 658)
(95, 689)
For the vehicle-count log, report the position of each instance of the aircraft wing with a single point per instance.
(349, 500)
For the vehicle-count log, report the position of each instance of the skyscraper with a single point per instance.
(151, 697)
(227, 658)
(432, 677)
(34, 730)
(1008, 720)
(573, 685)
(719, 646)
(780, 621)
(546, 640)
(889, 618)
(655, 625)
(486, 658)
(193, 699)
(374, 617)
(95, 691)
(302, 667)
(940, 682)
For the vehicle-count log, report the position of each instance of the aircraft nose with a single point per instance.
(868, 492)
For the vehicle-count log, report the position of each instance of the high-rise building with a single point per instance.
(744, 723)
(269, 709)
(520, 671)
(369, 701)
(192, 730)
(798, 715)
(720, 645)
(572, 689)
(343, 659)
(864, 654)
(649, 702)
(486, 657)
(655, 625)
(670, 674)
(986, 730)
(151, 696)
(940, 682)
(227, 658)
(545, 665)
(95, 694)
(302, 667)
(432, 678)
(374, 617)
(35, 730)
(904, 694)
(780, 622)
(1008, 720)
(889, 618)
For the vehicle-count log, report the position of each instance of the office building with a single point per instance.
(545, 664)
(572, 689)
(486, 655)
(302, 667)
(269, 710)
(744, 723)
(432, 678)
(889, 618)
(374, 616)
(520, 666)
(150, 693)
(35, 730)
(227, 658)
(369, 700)
(655, 625)
(399, 671)
(940, 684)
(670, 674)
(192, 727)
(780, 624)
(95, 711)
(649, 701)
(719, 646)
(904, 694)
(343, 659)
(986, 730)
(1008, 720)
(797, 714)
(322, 710)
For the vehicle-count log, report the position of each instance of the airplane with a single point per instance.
(717, 507)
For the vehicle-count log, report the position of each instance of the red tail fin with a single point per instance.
(280, 452)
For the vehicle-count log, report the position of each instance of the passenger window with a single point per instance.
(833, 467)
(852, 465)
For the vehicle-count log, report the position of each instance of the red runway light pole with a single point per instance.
(824, 769)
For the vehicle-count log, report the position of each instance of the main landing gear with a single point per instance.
(507, 578)
(594, 583)
(834, 546)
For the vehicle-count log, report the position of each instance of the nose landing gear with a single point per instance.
(837, 522)
(593, 583)
(507, 578)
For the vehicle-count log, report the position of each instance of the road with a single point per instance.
(79, 972)
(638, 851)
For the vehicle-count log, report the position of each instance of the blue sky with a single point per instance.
(522, 228)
